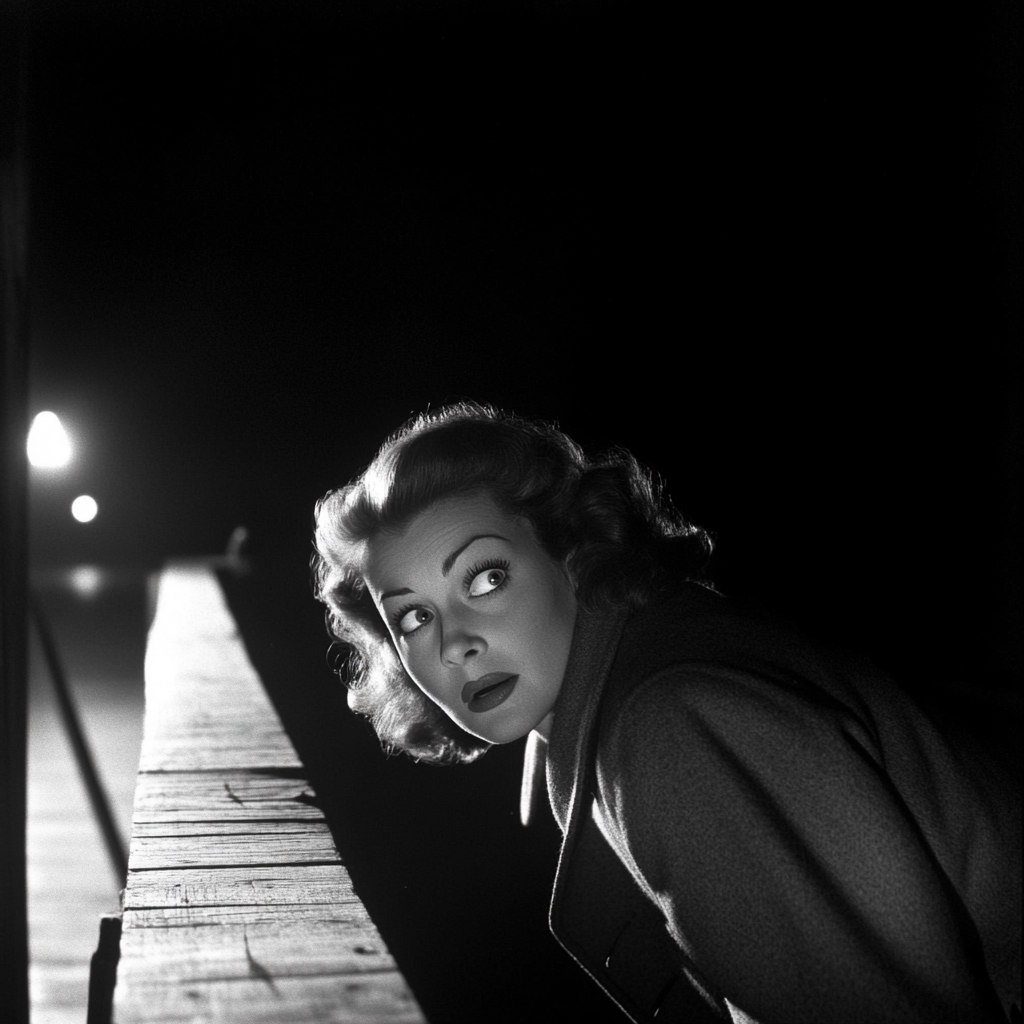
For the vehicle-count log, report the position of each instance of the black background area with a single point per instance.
(774, 254)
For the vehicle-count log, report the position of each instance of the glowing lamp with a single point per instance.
(84, 508)
(48, 445)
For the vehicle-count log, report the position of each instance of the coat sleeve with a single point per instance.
(761, 821)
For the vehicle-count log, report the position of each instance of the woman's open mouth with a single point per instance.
(489, 691)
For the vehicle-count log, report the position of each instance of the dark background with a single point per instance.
(773, 252)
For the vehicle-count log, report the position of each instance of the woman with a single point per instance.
(754, 827)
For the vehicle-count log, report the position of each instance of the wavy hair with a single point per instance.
(605, 518)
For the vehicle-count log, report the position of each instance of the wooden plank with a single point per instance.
(205, 705)
(148, 830)
(239, 886)
(209, 751)
(222, 796)
(283, 947)
(237, 907)
(261, 843)
(348, 999)
(341, 915)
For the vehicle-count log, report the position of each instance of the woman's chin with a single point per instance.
(499, 732)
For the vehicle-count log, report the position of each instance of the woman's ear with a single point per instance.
(339, 657)
(567, 568)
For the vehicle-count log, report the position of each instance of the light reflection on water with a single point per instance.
(86, 580)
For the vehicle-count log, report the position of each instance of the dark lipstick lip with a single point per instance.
(489, 691)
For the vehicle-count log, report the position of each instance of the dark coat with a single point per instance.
(754, 824)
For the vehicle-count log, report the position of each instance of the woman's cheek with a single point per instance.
(408, 661)
(417, 669)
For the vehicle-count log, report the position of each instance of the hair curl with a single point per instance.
(605, 518)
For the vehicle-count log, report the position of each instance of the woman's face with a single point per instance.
(481, 616)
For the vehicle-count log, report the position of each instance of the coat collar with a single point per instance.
(595, 640)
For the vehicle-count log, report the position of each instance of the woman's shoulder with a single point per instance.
(698, 668)
(698, 654)
(720, 700)
(692, 622)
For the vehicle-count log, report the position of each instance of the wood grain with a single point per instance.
(233, 886)
(238, 907)
(287, 947)
(261, 843)
(384, 999)
(222, 796)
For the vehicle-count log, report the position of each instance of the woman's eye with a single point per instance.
(413, 619)
(486, 581)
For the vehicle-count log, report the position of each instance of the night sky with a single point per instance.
(770, 251)
(766, 251)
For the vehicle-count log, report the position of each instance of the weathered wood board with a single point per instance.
(238, 907)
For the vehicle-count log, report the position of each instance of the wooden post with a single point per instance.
(13, 516)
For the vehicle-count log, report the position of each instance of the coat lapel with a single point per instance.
(598, 913)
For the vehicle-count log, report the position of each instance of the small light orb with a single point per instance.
(86, 580)
(48, 445)
(84, 508)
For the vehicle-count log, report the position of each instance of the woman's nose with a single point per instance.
(459, 645)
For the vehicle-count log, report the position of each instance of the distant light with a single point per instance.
(48, 445)
(86, 580)
(84, 508)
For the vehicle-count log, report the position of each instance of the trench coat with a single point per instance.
(759, 828)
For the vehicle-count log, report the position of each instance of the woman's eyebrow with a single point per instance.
(446, 565)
